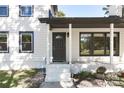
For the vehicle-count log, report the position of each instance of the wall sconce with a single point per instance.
(67, 34)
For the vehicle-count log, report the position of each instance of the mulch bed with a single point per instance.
(33, 82)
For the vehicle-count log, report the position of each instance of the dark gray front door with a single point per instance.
(59, 47)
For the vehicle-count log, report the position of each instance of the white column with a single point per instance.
(111, 42)
(70, 43)
(48, 55)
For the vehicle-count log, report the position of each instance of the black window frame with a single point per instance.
(20, 13)
(7, 11)
(5, 32)
(20, 41)
(92, 48)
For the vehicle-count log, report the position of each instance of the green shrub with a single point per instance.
(83, 75)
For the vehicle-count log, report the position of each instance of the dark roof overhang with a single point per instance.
(84, 22)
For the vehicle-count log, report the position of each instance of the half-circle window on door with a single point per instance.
(59, 37)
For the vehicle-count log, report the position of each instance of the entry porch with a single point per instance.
(83, 44)
(85, 40)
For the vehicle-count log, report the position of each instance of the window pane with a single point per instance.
(26, 38)
(26, 42)
(3, 10)
(3, 46)
(99, 43)
(116, 45)
(26, 46)
(26, 10)
(3, 38)
(3, 42)
(107, 45)
(85, 44)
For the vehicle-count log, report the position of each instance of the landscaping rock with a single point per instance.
(110, 83)
(84, 83)
(100, 76)
(37, 80)
(100, 83)
(112, 76)
(110, 79)
(121, 79)
(67, 84)
(120, 74)
(75, 80)
(101, 70)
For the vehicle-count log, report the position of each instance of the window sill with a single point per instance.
(25, 15)
(4, 16)
(4, 51)
(26, 52)
(97, 55)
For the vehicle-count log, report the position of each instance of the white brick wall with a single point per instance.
(14, 24)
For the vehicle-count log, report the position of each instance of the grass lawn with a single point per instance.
(14, 78)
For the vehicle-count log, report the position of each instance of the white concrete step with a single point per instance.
(58, 72)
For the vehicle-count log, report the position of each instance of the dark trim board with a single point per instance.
(84, 22)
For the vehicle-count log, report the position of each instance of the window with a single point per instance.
(97, 44)
(85, 44)
(4, 42)
(26, 42)
(4, 10)
(26, 10)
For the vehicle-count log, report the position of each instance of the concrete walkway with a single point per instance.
(62, 84)
(50, 85)
(58, 85)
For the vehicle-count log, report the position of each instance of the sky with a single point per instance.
(82, 10)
